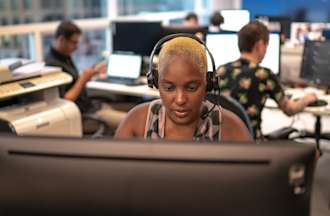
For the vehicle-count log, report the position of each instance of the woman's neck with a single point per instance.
(179, 132)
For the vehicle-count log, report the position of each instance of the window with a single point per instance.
(90, 49)
(2, 6)
(14, 46)
(127, 7)
(4, 21)
(27, 4)
(14, 5)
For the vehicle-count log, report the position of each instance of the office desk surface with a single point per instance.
(145, 91)
(136, 90)
(297, 93)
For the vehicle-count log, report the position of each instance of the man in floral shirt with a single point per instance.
(250, 84)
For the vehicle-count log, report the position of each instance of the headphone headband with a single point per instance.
(153, 78)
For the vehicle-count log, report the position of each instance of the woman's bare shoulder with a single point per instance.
(134, 123)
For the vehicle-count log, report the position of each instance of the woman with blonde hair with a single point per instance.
(182, 113)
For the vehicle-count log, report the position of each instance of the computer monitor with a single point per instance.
(138, 37)
(174, 29)
(326, 34)
(280, 24)
(315, 65)
(41, 176)
(234, 20)
(224, 48)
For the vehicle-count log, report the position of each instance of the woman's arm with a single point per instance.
(233, 128)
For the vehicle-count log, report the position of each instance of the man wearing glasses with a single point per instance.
(67, 37)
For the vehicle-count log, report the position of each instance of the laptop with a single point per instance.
(123, 69)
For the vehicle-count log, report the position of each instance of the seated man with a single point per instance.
(250, 84)
(67, 37)
(191, 20)
(216, 20)
(181, 113)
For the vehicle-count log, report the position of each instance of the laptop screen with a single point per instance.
(124, 66)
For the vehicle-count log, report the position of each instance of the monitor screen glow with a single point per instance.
(124, 66)
(224, 48)
(234, 20)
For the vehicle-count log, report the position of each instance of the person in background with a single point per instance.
(181, 113)
(191, 20)
(216, 20)
(67, 37)
(251, 84)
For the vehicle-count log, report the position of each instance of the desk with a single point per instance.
(318, 112)
(137, 90)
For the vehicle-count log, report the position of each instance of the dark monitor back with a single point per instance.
(43, 176)
(138, 37)
(174, 29)
(326, 34)
(283, 21)
(315, 63)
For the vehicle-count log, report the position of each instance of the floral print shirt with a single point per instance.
(250, 84)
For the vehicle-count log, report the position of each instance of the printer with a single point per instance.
(30, 103)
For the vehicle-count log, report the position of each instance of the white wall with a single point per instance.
(226, 4)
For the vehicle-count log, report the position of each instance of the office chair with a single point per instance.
(94, 127)
(232, 105)
(320, 200)
(282, 133)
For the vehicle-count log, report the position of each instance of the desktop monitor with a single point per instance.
(234, 20)
(174, 29)
(224, 48)
(326, 34)
(315, 62)
(138, 37)
(280, 24)
(41, 176)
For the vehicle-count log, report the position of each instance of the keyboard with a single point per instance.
(129, 82)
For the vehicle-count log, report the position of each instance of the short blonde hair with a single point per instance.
(186, 47)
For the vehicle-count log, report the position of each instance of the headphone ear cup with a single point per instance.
(155, 77)
(150, 79)
(209, 81)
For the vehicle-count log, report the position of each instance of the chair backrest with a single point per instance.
(232, 105)
(320, 203)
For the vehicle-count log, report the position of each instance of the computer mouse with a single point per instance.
(318, 103)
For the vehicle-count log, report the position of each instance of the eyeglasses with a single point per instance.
(74, 39)
(74, 42)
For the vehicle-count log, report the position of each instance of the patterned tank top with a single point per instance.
(208, 129)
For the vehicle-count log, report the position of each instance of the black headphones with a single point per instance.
(152, 74)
